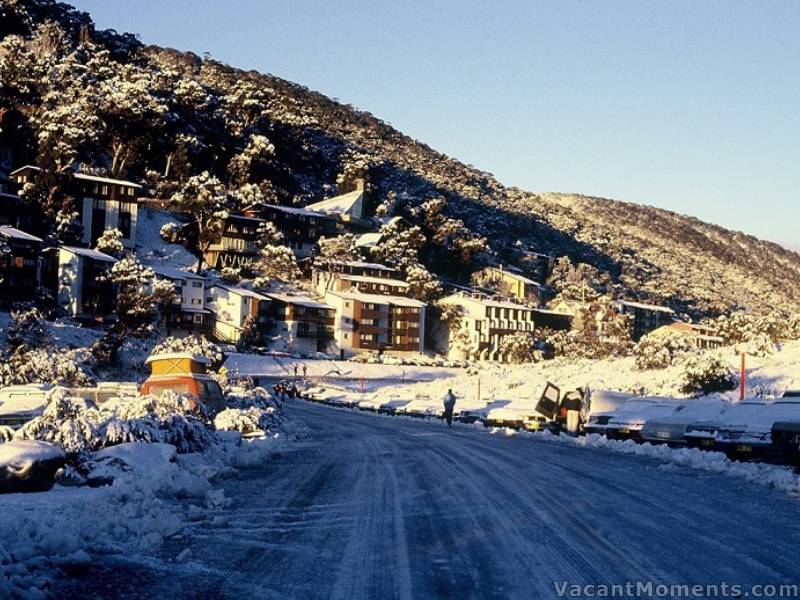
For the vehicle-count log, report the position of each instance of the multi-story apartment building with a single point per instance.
(644, 317)
(187, 314)
(510, 283)
(301, 228)
(104, 203)
(234, 309)
(304, 324)
(482, 325)
(77, 278)
(378, 281)
(236, 243)
(377, 323)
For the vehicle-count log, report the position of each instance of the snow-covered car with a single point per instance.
(601, 408)
(786, 440)
(21, 403)
(630, 418)
(29, 465)
(703, 433)
(752, 437)
(671, 428)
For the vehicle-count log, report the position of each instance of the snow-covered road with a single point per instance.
(378, 507)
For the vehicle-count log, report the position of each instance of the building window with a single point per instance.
(104, 190)
(197, 284)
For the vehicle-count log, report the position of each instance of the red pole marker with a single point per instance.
(742, 379)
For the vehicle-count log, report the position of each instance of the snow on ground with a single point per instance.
(66, 527)
(514, 390)
(151, 249)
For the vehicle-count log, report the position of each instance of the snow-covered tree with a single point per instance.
(335, 250)
(136, 303)
(241, 167)
(424, 285)
(705, 375)
(110, 242)
(63, 422)
(28, 328)
(520, 347)
(205, 199)
(660, 352)
(274, 262)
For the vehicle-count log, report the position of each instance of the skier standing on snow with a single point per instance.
(305, 370)
(449, 405)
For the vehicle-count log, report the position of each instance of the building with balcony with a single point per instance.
(367, 278)
(235, 310)
(699, 336)
(187, 314)
(644, 317)
(78, 280)
(377, 323)
(481, 326)
(236, 243)
(304, 325)
(103, 203)
(20, 270)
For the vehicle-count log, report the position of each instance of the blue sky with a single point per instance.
(690, 106)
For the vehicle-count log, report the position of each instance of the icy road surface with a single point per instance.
(377, 507)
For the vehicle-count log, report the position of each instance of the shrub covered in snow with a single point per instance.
(45, 365)
(169, 418)
(28, 327)
(171, 232)
(110, 242)
(520, 347)
(63, 422)
(660, 352)
(706, 374)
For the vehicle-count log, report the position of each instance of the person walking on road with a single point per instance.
(295, 371)
(305, 371)
(449, 405)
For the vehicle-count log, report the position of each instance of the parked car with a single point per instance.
(786, 440)
(671, 428)
(21, 403)
(703, 433)
(601, 408)
(752, 437)
(630, 418)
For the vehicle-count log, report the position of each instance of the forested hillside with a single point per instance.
(75, 97)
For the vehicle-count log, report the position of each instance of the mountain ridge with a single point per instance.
(649, 253)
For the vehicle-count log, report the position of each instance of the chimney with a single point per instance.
(360, 184)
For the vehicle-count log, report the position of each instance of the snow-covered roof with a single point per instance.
(17, 234)
(240, 291)
(85, 177)
(654, 307)
(298, 300)
(545, 311)
(297, 211)
(198, 358)
(485, 301)
(367, 240)
(89, 253)
(171, 273)
(379, 299)
(516, 274)
(351, 204)
(10, 196)
(378, 280)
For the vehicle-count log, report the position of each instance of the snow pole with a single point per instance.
(362, 384)
(742, 379)
(479, 390)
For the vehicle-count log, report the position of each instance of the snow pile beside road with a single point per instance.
(772, 476)
(136, 511)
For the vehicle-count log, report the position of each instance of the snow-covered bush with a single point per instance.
(110, 242)
(169, 418)
(706, 374)
(248, 421)
(63, 422)
(520, 347)
(231, 274)
(171, 232)
(45, 365)
(28, 327)
(193, 345)
(660, 352)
